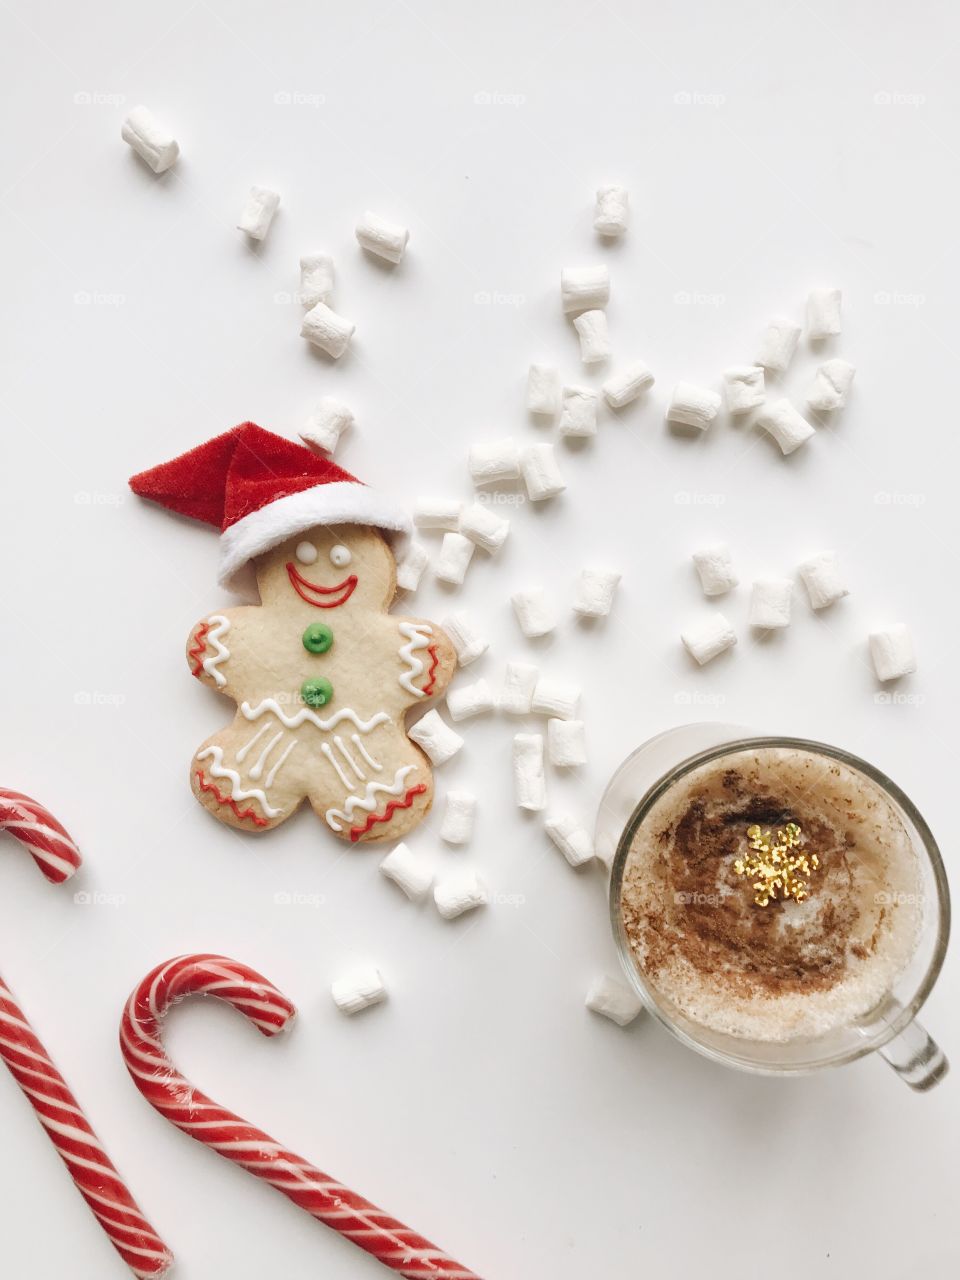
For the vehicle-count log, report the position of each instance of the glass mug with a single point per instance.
(891, 1028)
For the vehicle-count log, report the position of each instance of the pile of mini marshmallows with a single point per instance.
(321, 325)
(771, 599)
(891, 648)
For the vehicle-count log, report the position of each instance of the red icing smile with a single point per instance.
(331, 597)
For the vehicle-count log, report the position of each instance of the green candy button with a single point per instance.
(317, 638)
(316, 692)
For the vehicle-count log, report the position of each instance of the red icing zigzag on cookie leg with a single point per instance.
(229, 801)
(392, 807)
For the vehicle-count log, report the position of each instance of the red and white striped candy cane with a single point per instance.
(390, 1242)
(40, 834)
(45, 1088)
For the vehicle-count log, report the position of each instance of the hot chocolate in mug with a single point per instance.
(778, 904)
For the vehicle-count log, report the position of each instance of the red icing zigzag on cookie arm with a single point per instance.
(392, 807)
(229, 801)
(199, 647)
(432, 673)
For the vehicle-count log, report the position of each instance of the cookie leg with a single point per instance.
(234, 800)
(388, 812)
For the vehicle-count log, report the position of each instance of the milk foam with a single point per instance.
(811, 966)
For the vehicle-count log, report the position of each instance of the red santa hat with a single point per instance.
(259, 489)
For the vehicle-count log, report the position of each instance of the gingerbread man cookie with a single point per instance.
(321, 674)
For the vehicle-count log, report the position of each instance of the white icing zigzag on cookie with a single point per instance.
(218, 770)
(306, 714)
(211, 664)
(368, 802)
(418, 637)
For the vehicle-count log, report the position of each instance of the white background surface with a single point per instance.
(767, 148)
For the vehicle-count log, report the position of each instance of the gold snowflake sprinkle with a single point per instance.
(779, 865)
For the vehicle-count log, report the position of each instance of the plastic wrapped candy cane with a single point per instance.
(390, 1242)
(45, 1088)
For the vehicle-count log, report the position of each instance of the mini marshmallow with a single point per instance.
(149, 139)
(534, 614)
(457, 824)
(494, 460)
(778, 344)
(821, 577)
(571, 838)
(715, 570)
(627, 384)
(435, 737)
(529, 782)
(543, 389)
(327, 424)
(316, 278)
(788, 427)
(770, 602)
(325, 329)
(459, 892)
(484, 527)
(385, 239)
(541, 475)
(831, 386)
(408, 871)
(519, 682)
(613, 211)
(469, 700)
(468, 643)
(578, 412)
(437, 513)
(743, 385)
(556, 698)
(411, 566)
(693, 406)
(823, 313)
(566, 743)
(594, 593)
(584, 288)
(456, 552)
(892, 652)
(708, 638)
(257, 213)
(591, 327)
(614, 999)
(358, 990)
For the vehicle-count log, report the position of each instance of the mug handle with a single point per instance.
(916, 1058)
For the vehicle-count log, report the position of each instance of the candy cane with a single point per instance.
(396, 1246)
(40, 834)
(29, 1063)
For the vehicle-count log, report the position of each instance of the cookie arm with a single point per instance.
(208, 651)
(438, 657)
(446, 662)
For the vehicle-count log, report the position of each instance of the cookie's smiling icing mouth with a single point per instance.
(330, 597)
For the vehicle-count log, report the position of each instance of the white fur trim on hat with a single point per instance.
(340, 502)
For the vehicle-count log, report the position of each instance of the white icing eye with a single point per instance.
(306, 552)
(340, 555)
